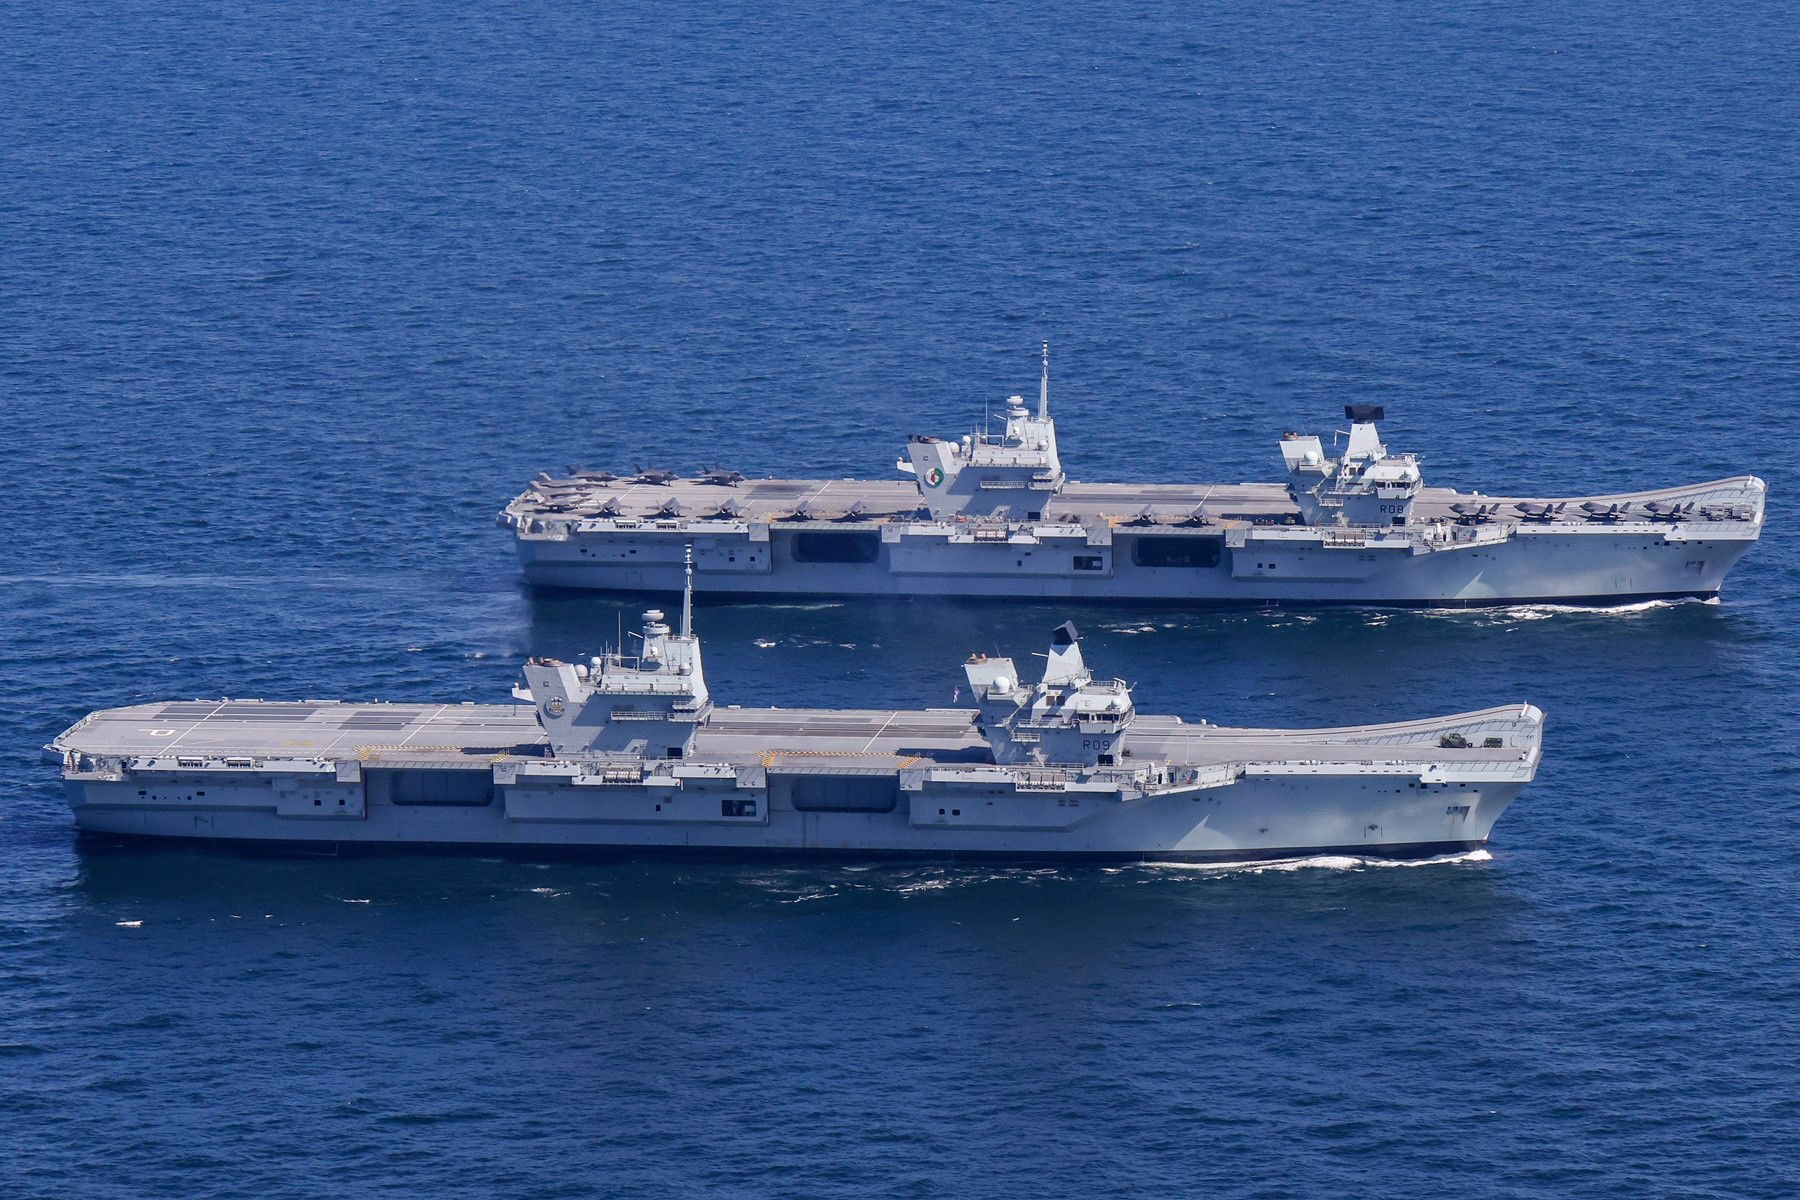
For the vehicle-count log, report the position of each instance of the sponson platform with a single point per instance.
(991, 514)
(631, 753)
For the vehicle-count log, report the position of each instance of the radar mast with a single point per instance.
(1044, 387)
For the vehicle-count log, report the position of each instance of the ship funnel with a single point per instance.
(1067, 720)
(1365, 440)
(1065, 667)
(1365, 486)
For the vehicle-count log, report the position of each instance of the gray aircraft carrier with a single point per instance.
(992, 515)
(629, 753)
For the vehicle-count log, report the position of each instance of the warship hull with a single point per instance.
(591, 851)
(334, 777)
(1255, 553)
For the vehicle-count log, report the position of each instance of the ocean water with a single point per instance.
(293, 298)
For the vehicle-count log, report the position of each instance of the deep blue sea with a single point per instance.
(294, 297)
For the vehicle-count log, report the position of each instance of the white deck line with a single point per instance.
(217, 705)
(870, 744)
(423, 724)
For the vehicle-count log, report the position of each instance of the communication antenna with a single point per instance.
(1044, 387)
(687, 596)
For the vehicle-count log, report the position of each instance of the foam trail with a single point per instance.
(1325, 862)
(1539, 612)
(820, 606)
(334, 579)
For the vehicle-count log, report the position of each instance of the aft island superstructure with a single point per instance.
(992, 514)
(630, 753)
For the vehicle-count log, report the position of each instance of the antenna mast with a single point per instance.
(1044, 387)
(687, 596)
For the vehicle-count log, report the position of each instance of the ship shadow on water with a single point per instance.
(668, 949)
(151, 885)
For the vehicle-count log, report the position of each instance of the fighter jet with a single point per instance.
(720, 476)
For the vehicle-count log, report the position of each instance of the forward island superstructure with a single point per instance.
(992, 514)
(630, 753)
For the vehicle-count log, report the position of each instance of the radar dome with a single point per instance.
(1002, 684)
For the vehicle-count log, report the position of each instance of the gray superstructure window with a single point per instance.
(443, 788)
(844, 793)
(847, 546)
(1171, 550)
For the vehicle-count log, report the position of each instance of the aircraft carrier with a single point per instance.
(630, 754)
(992, 515)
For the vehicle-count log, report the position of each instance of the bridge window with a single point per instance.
(861, 546)
(1177, 551)
(1089, 562)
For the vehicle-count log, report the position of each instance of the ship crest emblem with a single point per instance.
(934, 476)
(554, 706)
